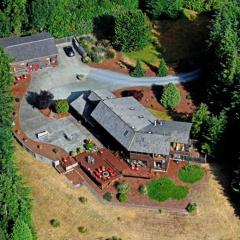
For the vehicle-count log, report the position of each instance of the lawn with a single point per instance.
(160, 115)
(54, 198)
(150, 55)
(191, 173)
(163, 189)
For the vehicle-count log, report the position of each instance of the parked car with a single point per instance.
(69, 51)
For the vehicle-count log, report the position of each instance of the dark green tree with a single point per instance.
(132, 31)
(138, 70)
(16, 11)
(200, 119)
(171, 96)
(21, 231)
(169, 8)
(162, 70)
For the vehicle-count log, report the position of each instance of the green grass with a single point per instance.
(191, 173)
(149, 55)
(163, 188)
(160, 115)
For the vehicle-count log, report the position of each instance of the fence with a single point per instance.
(36, 155)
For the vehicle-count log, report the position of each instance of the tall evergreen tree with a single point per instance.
(138, 70)
(162, 70)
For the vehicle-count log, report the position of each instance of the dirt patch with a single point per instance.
(151, 97)
(53, 197)
(51, 114)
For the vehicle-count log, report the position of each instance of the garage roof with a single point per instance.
(29, 47)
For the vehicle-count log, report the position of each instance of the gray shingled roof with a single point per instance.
(29, 47)
(101, 94)
(134, 127)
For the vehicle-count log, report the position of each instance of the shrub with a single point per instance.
(61, 106)
(162, 70)
(138, 70)
(55, 223)
(122, 197)
(143, 189)
(171, 96)
(191, 207)
(123, 187)
(191, 173)
(83, 199)
(82, 229)
(96, 58)
(114, 238)
(163, 188)
(110, 54)
(44, 99)
(107, 196)
(73, 153)
(85, 59)
(17, 99)
(89, 146)
(55, 150)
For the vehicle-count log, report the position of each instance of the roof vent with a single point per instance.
(133, 127)
(141, 116)
(131, 108)
(161, 123)
(155, 123)
(150, 132)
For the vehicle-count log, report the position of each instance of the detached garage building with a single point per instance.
(31, 52)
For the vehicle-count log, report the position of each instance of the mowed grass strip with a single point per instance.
(163, 189)
(191, 173)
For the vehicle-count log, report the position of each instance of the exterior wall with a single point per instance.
(23, 66)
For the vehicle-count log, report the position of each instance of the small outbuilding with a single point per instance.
(30, 53)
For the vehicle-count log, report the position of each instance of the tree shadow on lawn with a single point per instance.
(128, 66)
(151, 67)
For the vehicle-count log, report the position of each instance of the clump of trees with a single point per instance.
(171, 96)
(138, 70)
(132, 31)
(44, 99)
(15, 203)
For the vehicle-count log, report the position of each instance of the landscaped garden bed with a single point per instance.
(163, 189)
(191, 173)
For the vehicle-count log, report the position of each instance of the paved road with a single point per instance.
(62, 82)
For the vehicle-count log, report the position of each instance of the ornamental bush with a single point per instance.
(122, 197)
(61, 106)
(143, 189)
(191, 208)
(171, 96)
(191, 173)
(107, 196)
(123, 187)
(55, 223)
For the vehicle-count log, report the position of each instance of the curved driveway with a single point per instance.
(62, 82)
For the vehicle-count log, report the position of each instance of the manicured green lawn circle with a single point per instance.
(191, 173)
(163, 188)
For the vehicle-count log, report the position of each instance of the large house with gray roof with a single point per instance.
(145, 140)
(30, 53)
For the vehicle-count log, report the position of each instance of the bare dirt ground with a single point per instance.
(54, 197)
